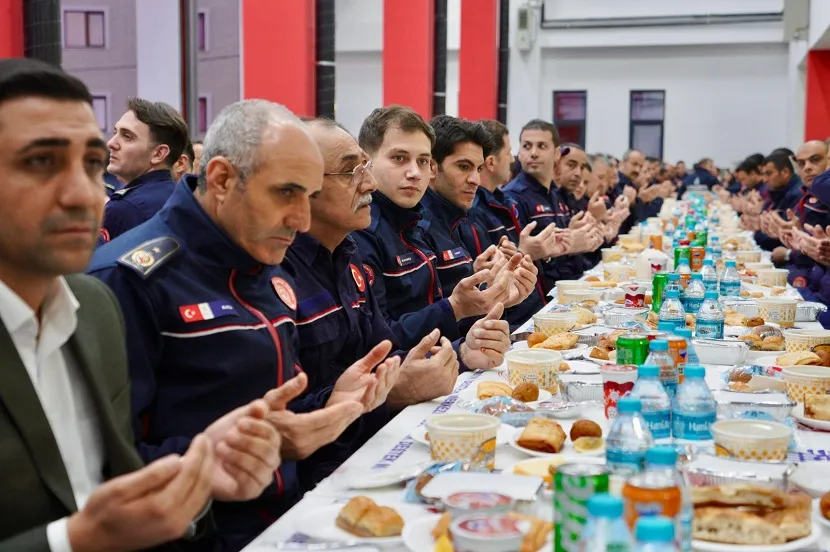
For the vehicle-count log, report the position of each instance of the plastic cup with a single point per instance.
(463, 437)
(617, 381)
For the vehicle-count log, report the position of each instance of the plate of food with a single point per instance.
(419, 435)
(814, 412)
(565, 342)
(600, 356)
(361, 520)
(750, 518)
(822, 508)
(546, 467)
(432, 533)
(544, 438)
(528, 393)
(580, 368)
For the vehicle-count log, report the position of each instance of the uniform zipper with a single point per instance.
(424, 258)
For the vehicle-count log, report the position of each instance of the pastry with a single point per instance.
(525, 392)
(591, 279)
(690, 321)
(756, 294)
(773, 343)
(608, 284)
(742, 376)
(778, 290)
(735, 319)
(798, 358)
(584, 316)
(824, 505)
(817, 407)
(744, 293)
(379, 522)
(733, 526)
(585, 428)
(536, 535)
(535, 338)
(600, 353)
(794, 523)
(488, 389)
(755, 321)
(740, 494)
(564, 367)
(442, 528)
(825, 357)
(354, 509)
(635, 247)
(559, 342)
(542, 435)
(588, 304)
(755, 342)
(740, 387)
(588, 444)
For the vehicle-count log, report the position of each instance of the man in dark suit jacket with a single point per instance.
(70, 478)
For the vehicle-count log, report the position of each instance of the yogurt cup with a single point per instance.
(488, 533)
(466, 503)
(617, 381)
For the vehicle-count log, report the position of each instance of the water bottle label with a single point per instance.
(730, 289)
(686, 523)
(658, 423)
(692, 305)
(618, 459)
(670, 385)
(693, 427)
(710, 329)
(710, 285)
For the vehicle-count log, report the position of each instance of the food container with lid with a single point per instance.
(617, 272)
(583, 391)
(755, 267)
(747, 307)
(618, 316)
(539, 366)
(751, 440)
(611, 254)
(705, 470)
(804, 340)
(569, 296)
(748, 256)
(809, 311)
(463, 437)
(773, 276)
(806, 380)
(550, 323)
(720, 351)
(466, 503)
(567, 285)
(780, 310)
(488, 533)
(731, 405)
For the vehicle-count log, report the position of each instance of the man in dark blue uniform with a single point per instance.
(785, 191)
(398, 256)
(338, 318)
(149, 139)
(211, 316)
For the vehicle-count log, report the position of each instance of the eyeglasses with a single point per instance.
(357, 174)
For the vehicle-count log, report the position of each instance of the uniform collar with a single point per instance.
(624, 180)
(396, 215)
(483, 195)
(188, 220)
(793, 186)
(309, 249)
(440, 207)
(525, 181)
(821, 187)
(158, 175)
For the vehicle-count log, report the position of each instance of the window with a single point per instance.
(569, 110)
(201, 26)
(83, 29)
(646, 117)
(203, 115)
(99, 106)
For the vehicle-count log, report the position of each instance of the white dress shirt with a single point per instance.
(61, 389)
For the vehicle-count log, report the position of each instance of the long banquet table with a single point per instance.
(393, 449)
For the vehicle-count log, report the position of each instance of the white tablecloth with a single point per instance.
(391, 448)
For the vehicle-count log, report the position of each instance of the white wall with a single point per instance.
(721, 102)
(593, 9)
(158, 62)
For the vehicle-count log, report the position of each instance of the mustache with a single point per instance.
(71, 217)
(363, 200)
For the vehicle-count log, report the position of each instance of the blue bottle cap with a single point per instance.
(664, 455)
(731, 263)
(648, 371)
(710, 295)
(606, 506)
(683, 332)
(674, 276)
(654, 529)
(684, 260)
(659, 345)
(665, 326)
(629, 404)
(694, 371)
(708, 262)
(715, 238)
(697, 276)
(673, 294)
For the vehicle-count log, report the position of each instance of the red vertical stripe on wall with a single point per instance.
(817, 110)
(408, 31)
(478, 60)
(11, 28)
(279, 53)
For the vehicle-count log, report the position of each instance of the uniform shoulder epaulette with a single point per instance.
(120, 194)
(150, 255)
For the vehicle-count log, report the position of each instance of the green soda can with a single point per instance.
(683, 252)
(632, 349)
(658, 289)
(703, 237)
(574, 484)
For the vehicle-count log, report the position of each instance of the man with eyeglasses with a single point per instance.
(338, 318)
(210, 315)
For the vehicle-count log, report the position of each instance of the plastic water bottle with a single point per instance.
(673, 282)
(685, 272)
(693, 296)
(693, 408)
(717, 251)
(662, 461)
(606, 529)
(691, 354)
(628, 440)
(710, 318)
(730, 282)
(709, 275)
(672, 309)
(659, 356)
(655, 533)
(655, 400)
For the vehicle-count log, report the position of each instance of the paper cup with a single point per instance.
(463, 437)
(780, 310)
(806, 380)
(550, 323)
(749, 257)
(617, 381)
(538, 366)
(772, 277)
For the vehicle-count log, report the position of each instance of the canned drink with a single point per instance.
(656, 241)
(574, 485)
(703, 237)
(677, 349)
(682, 252)
(696, 256)
(658, 285)
(632, 349)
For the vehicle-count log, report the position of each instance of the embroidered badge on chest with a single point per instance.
(358, 278)
(206, 311)
(284, 292)
(370, 274)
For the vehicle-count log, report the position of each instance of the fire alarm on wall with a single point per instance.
(524, 29)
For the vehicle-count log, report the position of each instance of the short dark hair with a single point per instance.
(324, 122)
(539, 124)
(779, 160)
(679, 162)
(166, 126)
(572, 145)
(704, 160)
(750, 165)
(497, 131)
(26, 78)
(451, 131)
(786, 151)
(757, 158)
(377, 124)
(197, 142)
(188, 151)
